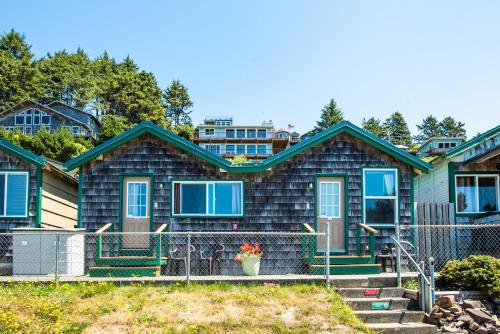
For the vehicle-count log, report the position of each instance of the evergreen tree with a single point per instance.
(19, 78)
(375, 126)
(177, 103)
(397, 129)
(331, 114)
(428, 129)
(449, 127)
(112, 126)
(68, 78)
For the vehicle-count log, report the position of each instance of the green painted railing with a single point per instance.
(308, 242)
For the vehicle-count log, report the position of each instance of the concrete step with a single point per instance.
(366, 304)
(371, 317)
(408, 328)
(383, 280)
(369, 292)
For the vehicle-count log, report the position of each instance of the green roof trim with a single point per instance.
(474, 141)
(22, 153)
(254, 167)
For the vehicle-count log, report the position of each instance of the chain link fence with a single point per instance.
(174, 254)
(449, 242)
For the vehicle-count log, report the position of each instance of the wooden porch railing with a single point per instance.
(99, 239)
(158, 232)
(371, 231)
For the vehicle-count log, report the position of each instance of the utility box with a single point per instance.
(43, 251)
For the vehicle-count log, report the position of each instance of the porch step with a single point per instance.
(123, 261)
(367, 304)
(373, 317)
(405, 328)
(343, 259)
(371, 293)
(347, 269)
(148, 271)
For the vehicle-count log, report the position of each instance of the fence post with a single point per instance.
(433, 291)
(188, 259)
(327, 255)
(398, 254)
(57, 258)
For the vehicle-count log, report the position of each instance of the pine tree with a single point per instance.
(331, 114)
(449, 127)
(397, 129)
(19, 78)
(375, 126)
(428, 129)
(177, 103)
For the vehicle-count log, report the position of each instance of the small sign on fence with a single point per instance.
(371, 292)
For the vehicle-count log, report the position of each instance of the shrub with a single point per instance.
(475, 272)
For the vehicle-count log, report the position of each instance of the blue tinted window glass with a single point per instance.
(193, 198)
(251, 149)
(137, 199)
(466, 194)
(379, 211)
(45, 119)
(240, 133)
(211, 198)
(28, 120)
(261, 149)
(261, 133)
(228, 198)
(19, 120)
(380, 183)
(240, 149)
(487, 193)
(251, 133)
(229, 149)
(230, 133)
(16, 194)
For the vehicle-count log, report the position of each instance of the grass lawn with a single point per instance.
(218, 308)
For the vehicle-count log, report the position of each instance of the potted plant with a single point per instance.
(250, 256)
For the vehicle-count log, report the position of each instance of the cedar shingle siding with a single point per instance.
(11, 163)
(275, 200)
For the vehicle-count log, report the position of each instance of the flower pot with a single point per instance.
(251, 265)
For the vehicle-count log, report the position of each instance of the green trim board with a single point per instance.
(22, 153)
(79, 208)
(254, 167)
(138, 252)
(476, 140)
(206, 216)
(346, 209)
(39, 180)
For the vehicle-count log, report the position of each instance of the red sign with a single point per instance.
(372, 292)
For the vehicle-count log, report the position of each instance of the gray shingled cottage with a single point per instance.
(148, 176)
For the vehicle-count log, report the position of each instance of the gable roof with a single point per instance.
(75, 109)
(474, 141)
(22, 153)
(27, 103)
(252, 167)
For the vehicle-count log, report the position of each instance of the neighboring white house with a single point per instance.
(467, 175)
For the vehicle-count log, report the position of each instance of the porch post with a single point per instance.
(398, 254)
(188, 259)
(327, 255)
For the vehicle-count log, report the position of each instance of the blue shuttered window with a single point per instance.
(14, 194)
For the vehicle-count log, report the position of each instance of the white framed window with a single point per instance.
(380, 196)
(14, 194)
(477, 193)
(209, 132)
(45, 118)
(75, 130)
(137, 199)
(329, 202)
(207, 198)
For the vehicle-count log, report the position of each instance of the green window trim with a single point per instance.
(3, 211)
(476, 176)
(209, 205)
(395, 197)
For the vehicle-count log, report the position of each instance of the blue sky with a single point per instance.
(284, 60)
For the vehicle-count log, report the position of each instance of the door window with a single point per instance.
(329, 205)
(137, 198)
